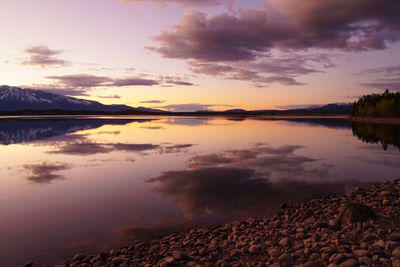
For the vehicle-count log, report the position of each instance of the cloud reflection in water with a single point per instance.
(238, 182)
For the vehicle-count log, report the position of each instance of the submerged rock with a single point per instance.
(355, 212)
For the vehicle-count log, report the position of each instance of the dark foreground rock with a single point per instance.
(358, 229)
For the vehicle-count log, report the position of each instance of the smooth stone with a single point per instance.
(394, 237)
(118, 260)
(367, 261)
(78, 257)
(274, 252)
(178, 255)
(98, 264)
(235, 252)
(349, 263)
(285, 258)
(380, 243)
(355, 212)
(361, 252)
(312, 264)
(284, 242)
(255, 249)
(396, 252)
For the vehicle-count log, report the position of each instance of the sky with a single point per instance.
(187, 55)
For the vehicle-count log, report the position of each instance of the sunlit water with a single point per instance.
(92, 183)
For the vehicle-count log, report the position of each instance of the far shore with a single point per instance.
(377, 120)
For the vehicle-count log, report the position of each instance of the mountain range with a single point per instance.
(30, 101)
(16, 99)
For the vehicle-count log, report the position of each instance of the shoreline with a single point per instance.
(374, 120)
(378, 120)
(359, 228)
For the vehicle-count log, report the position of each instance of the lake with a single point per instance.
(84, 184)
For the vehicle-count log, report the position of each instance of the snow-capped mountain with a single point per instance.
(15, 98)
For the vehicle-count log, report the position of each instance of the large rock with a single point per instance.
(355, 212)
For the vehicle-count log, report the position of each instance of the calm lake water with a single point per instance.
(70, 185)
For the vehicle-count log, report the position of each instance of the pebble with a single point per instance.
(349, 263)
(360, 228)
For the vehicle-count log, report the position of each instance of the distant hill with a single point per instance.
(341, 108)
(18, 101)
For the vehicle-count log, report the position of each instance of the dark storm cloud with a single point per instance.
(349, 25)
(45, 172)
(44, 56)
(252, 35)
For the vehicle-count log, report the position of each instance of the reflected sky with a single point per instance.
(89, 184)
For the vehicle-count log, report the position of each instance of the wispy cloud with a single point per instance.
(186, 3)
(89, 81)
(152, 101)
(44, 56)
(190, 107)
(387, 77)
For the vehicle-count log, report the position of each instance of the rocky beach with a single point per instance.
(361, 228)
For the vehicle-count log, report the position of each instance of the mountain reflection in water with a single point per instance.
(14, 131)
(73, 186)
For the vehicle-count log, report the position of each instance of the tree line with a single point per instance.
(378, 105)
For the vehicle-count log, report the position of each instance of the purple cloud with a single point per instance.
(215, 44)
(393, 84)
(387, 77)
(81, 80)
(186, 3)
(134, 81)
(152, 101)
(88, 81)
(189, 107)
(44, 56)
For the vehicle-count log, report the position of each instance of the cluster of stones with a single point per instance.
(359, 229)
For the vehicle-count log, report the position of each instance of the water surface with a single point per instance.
(85, 184)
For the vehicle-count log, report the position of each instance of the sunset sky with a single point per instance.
(186, 55)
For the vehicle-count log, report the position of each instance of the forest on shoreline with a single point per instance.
(378, 105)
